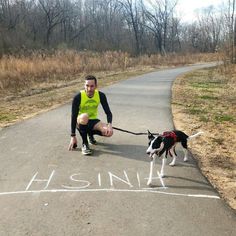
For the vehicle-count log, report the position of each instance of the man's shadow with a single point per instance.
(130, 151)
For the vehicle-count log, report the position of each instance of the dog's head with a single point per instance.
(155, 144)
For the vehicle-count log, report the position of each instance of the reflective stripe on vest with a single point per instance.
(89, 105)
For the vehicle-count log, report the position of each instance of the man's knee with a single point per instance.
(83, 119)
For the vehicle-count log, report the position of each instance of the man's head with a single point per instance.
(90, 85)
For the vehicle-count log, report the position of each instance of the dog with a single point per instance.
(165, 144)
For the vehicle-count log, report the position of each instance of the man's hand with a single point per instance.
(109, 131)
(73, 143)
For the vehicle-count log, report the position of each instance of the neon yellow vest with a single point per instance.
(89, 105)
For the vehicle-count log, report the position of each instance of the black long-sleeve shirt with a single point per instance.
(75, 109)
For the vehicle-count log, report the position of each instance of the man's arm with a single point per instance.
(75, 112)
(106, 107)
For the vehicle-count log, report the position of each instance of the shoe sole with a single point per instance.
(87, 153)
(93, 143)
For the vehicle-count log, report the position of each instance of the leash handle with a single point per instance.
(130, 132)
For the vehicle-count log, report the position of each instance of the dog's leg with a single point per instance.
(162, 174)
(152, 163)
(174, 157)
(185, 154)
(185, 149)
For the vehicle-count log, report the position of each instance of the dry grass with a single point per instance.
(24, 77)
(206, 100)
(45, 96)
(21, 72)
(24, 72)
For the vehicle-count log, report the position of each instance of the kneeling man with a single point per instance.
(84, 115)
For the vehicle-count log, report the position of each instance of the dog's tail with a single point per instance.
(195, 135)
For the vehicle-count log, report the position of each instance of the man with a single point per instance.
(84, 115)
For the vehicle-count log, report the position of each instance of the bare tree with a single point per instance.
(132, 14)
(159, 15)
(135, 26)
(209, 30)
(232, 29)
(9, 15)
(53, 15)
(174, 41)
(111, 23)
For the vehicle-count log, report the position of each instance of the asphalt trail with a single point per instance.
(47, 190)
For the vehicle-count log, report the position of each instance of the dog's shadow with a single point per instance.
(195, 184)
(186, 184)
(138, 152)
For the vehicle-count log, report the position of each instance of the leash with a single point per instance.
(130, 132)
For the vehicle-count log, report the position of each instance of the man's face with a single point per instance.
(90, 87)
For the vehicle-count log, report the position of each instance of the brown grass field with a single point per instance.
(204, 99)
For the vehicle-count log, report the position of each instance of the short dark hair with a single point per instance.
(91, 77)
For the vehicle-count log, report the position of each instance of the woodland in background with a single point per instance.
(132, 26)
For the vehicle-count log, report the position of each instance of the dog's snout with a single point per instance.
(148, 151)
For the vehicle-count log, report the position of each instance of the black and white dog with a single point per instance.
(165, 143)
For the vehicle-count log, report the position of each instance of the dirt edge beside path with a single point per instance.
(215, 149)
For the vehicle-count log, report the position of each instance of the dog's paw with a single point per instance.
(149, 183)
(185, 159)
(161, 175)
(172, 164)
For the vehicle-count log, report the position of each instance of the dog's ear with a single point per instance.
(150, 135)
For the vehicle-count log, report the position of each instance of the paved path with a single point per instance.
(47, 190)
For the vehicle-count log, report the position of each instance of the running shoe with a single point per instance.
(86, 150)
(92, 140)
